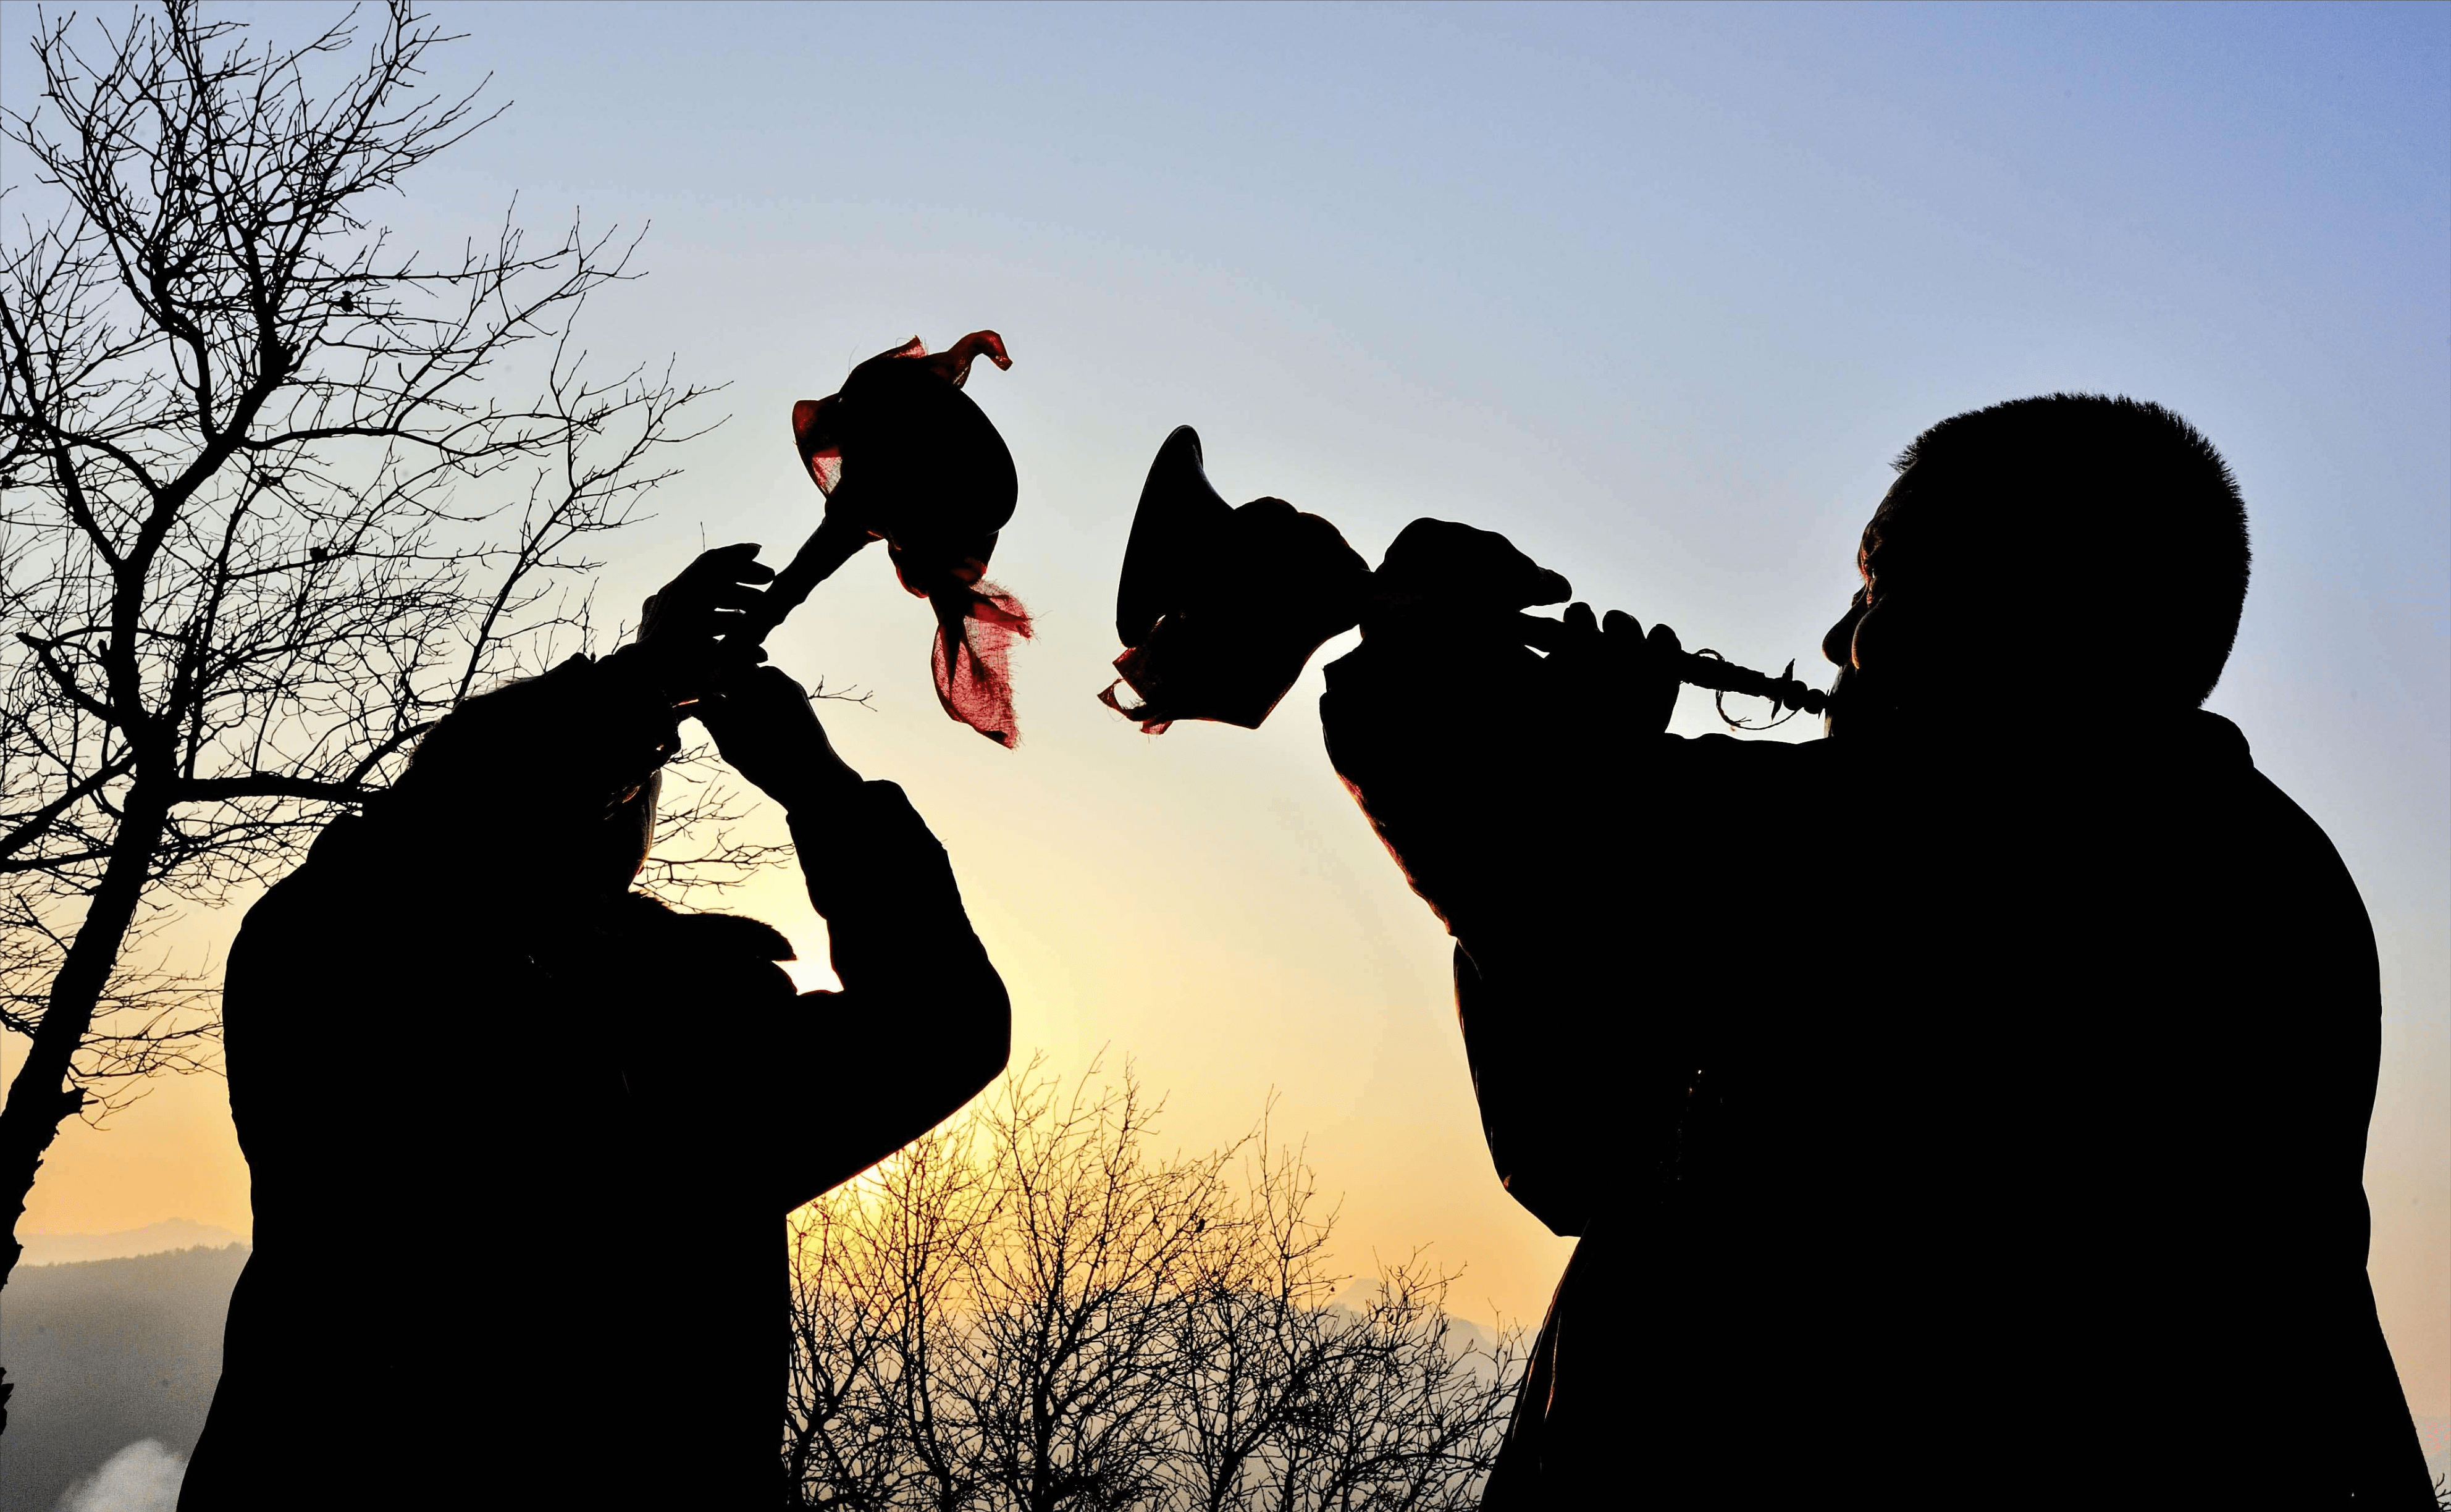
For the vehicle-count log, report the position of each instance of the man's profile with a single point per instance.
(2044, 1187)
(520, 1138)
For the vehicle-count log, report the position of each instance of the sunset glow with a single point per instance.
(1657, 292)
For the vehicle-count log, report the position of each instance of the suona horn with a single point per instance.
(1218, 607)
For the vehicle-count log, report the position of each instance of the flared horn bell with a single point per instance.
(1180, 517)
(1219, 608)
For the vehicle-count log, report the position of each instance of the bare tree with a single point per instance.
(874, 1323)
(1030, 1311)
(266, 513)
(1407, 1412)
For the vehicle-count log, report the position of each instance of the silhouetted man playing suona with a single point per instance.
(520, 1138)
(2041, 1184)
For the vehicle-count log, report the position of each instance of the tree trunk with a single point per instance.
(39, 1097)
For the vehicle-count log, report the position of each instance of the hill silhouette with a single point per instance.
(171, 1234)
(106, 1352)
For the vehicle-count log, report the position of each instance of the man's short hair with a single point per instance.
(2118, 508)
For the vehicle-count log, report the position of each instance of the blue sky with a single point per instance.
(1656, 292)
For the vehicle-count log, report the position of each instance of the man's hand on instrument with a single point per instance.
(681, 628)
(1607, 665)
(764, 725)
(1440, 576)
(1446, 606)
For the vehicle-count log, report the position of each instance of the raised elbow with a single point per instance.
(987, 1049)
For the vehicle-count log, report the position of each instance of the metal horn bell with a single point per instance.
(1219, 607)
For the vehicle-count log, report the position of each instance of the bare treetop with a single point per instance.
(278, 492)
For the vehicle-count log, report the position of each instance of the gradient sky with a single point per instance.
(1657, 292)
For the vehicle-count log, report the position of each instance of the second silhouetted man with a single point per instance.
(520, 1137)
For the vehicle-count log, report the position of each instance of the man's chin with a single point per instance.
(1856, 707)
(1845, 689)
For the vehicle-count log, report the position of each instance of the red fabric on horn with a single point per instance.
(974, 634)
(954, 363)
(938, 516)
(820, 448)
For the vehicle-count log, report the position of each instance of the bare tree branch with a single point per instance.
(274, 496)
(1028, 1309)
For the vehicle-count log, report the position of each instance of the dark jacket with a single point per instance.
(520, 1140)
(1940, 1123)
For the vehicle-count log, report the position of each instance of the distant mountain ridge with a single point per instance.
(171, 1234)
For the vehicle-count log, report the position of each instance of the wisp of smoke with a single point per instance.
(141, 1477)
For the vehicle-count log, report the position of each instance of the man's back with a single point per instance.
(2053, 1180)
(464, 1259)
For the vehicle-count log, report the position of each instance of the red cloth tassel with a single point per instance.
(976, 622)
(974, 633)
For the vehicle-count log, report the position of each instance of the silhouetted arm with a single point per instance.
(1429, 737)
(1489, 771)
(922, 1022)
(1488, 834)
(1539, 810)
